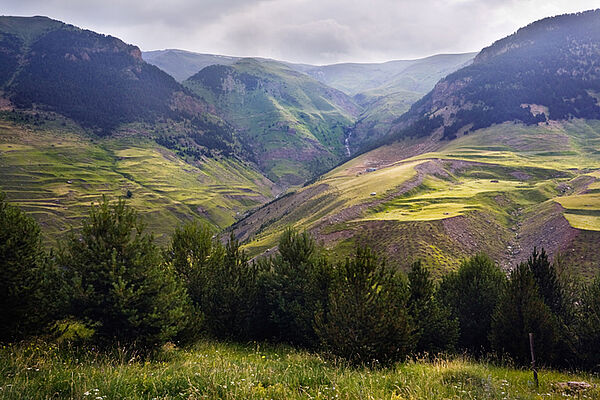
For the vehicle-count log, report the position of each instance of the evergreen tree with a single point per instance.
(435, 329)
(588, 326)
(295, 284)
(521, 311)
(367, 319)
(546, 277)
(195, 254)
(29, 283)
(119, 281)
(472, 294)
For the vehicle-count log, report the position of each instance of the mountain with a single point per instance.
(291, 125)
(548, 70)
(526, 174)
(94, 79)
(181, 64)
(384, 91)
(81, 115)
(398, 90)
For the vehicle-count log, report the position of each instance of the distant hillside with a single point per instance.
(527, 173)
(384, 91)
(94, 79)
(399, 89)
(549, 70)
(181, 64)
(383, 78)
(82, 115)
(291, 125)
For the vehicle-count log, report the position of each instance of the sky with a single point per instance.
(309, 31)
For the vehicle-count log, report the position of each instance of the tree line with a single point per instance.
(109, 282)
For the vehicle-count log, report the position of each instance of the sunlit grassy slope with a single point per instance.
(292, 124)
(226, 371)
(55, 174)
(479, 192)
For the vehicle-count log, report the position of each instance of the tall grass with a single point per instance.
(211, 370)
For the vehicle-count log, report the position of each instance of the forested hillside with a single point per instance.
(548, 70)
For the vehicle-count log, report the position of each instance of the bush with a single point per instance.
(435, 329)
(472, 294)
(521, 311)
(366, 319)
(119, 282)
(29, 282)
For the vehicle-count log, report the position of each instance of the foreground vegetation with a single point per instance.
(212, 370)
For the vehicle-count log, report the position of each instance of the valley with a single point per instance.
(455, 199)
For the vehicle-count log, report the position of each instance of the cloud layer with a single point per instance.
(311, 31)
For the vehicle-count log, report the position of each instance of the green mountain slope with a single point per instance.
(291, 125)
(55, 172)
(526, 174)
(501, 190)
(181, 64)
(94, 79)
(83, 115)
(385, 103)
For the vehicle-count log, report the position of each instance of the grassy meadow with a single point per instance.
(211, 370)
(493, 187)
(55, 174)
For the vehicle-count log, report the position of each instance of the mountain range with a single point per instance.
(436, 158)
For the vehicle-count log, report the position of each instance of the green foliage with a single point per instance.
(295, 285)
(220, 281)
(588, 326)
(436, 330)
(547, 281)
(521, 311)
(72, 331)
(367, 319)
(118, 279)
(472, 293)
(29, 292)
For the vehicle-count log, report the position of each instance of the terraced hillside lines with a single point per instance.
(56, 175)
(502, 190)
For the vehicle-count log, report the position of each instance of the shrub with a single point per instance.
(119, 282)
(435, 329)
(29, 283)
(472, 294)
(366, 320)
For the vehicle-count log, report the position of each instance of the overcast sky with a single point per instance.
(311, 31)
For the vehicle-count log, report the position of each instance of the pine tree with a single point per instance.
(435, 329)
(472, 293)
(295, 283)
(588, 326)
(367, 319)
(30, 291)
(521, 311)
(119, 281)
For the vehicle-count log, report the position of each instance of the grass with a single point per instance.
(500, 174)
(211, 370)
(55, 174)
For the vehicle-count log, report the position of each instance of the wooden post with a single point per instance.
(535, 376)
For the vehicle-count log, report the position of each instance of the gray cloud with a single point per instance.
(313, 31)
